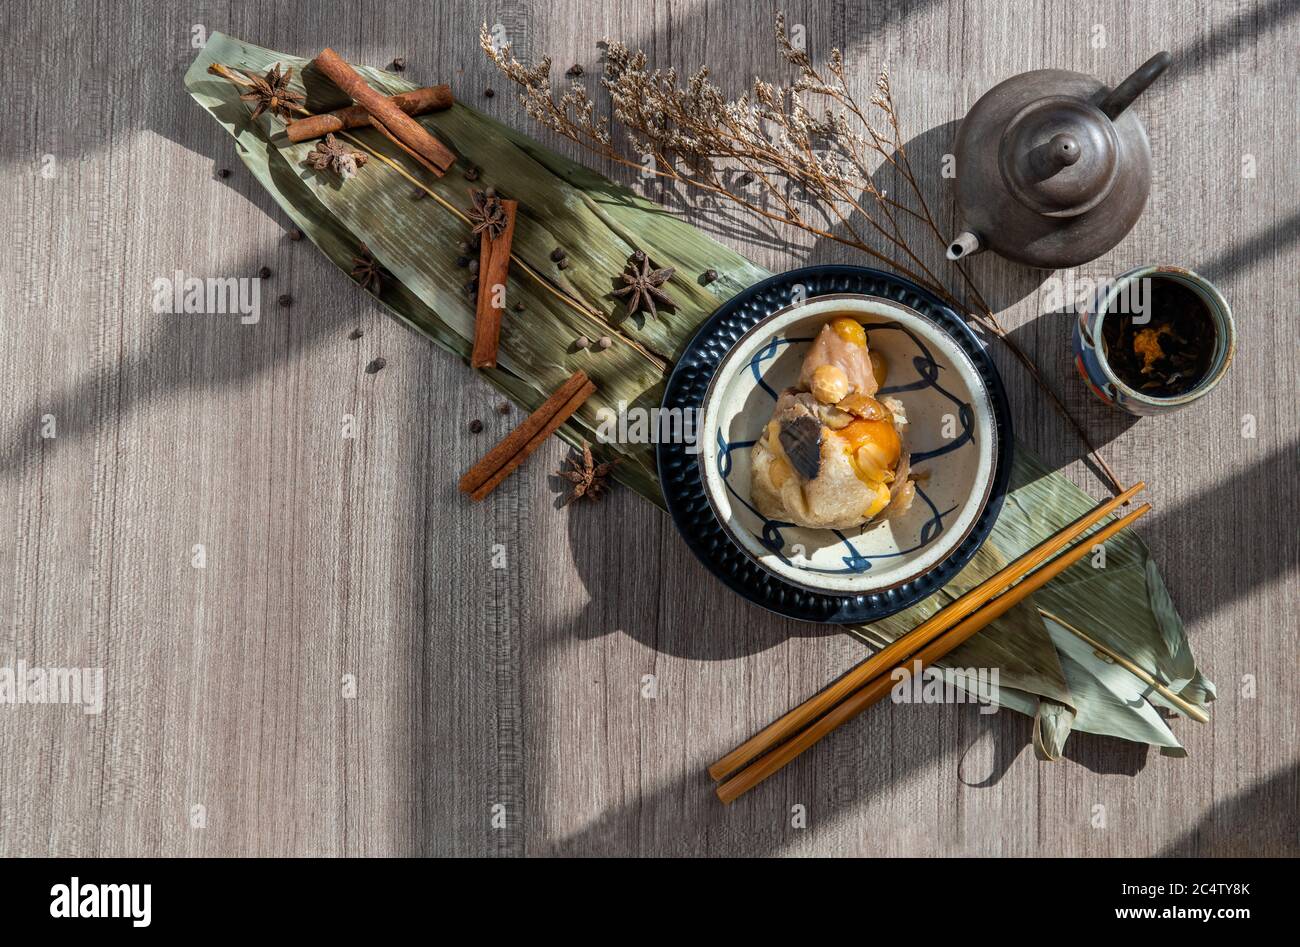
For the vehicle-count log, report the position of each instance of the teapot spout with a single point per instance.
(963, 245)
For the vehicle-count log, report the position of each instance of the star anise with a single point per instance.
(272, 92)
(486, 213)
(336, 155)
(367, 271)
(587, 476)
(641, 285)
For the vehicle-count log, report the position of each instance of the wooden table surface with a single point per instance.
(500, 652)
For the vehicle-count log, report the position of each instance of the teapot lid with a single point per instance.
(1058, 156)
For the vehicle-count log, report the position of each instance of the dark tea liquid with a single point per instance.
(1168, 354)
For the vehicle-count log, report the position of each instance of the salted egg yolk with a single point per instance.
(850, 330)
(873, 448)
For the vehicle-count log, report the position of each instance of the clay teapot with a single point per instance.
(1053, 168)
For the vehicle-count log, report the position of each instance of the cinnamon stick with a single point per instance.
(514, 448)
(493, 265)
(416, 102)
(565, 412)
(387, 117)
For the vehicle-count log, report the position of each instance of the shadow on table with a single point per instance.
(846, 773)
(690, 613)
(1258, 822)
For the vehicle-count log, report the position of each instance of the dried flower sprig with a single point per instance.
(802, 153)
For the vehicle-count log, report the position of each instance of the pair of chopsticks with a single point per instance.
(502, 460)
(772, 748)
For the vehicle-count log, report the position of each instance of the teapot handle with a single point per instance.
(1123, 94)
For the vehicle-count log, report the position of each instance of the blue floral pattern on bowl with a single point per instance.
(950, 434)
(681, 472)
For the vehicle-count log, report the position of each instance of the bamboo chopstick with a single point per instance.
(1190, 709)
(860, 700)
(895, 653)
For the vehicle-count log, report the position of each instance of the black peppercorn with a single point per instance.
(558, 254)
(462, 261)
(489, 93)
(574, 71)
(223, 172)
(264, 272)
(399, 64)
(710, 276)
(475, 426)
(471, 173)
(504, 407)
(295, 234)
(375, 366)
(285, 300)
(355, 334)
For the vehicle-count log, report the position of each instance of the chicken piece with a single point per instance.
(842, 343)
(832, 455)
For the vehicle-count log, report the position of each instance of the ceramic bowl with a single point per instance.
(952, 433)
(1090, 347)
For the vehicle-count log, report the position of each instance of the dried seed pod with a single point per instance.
(376, 366)
(399, 64)
(295, 234)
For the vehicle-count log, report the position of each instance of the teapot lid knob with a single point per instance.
(1058, 156)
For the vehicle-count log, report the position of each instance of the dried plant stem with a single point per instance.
(696, 136)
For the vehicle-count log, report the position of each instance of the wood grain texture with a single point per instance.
(583, 685)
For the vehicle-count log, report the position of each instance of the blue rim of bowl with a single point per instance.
(683, 485)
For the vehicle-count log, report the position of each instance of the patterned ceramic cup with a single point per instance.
(1090, 348)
